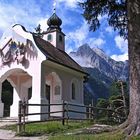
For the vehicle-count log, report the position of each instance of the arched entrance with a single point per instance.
(21, 82)
(7, 97)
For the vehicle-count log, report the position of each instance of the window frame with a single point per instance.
(49, 37)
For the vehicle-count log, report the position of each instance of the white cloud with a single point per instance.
(96, 42)
(122, 57)
(69, 49)
(121, 44)
(69, 3)
(79, 36)
(101, 18)
(43, 23)
(27, 14)
(109, 30)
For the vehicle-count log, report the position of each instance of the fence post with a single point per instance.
(90, 111)
(24, 112)
(63, 113)
(49, 110)
(19, 126)
(67, 111)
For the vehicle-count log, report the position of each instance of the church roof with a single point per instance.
(56, 55)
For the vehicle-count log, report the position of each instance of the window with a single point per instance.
(29, 93)
(60, 38)
(57, 90)
(50, 37)
(48, 92)
(73, 91)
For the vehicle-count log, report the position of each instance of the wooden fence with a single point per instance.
(90, 113)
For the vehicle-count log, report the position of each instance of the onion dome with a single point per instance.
(54, 22)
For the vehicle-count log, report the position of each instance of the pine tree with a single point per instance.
(123, 16)
(115, 10)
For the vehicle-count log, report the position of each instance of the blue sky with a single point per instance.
(30, 13)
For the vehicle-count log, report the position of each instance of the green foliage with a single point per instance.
(115, 103)
(119, 98)
(102, 115)
(134, 138)
(115, 88)
(115, 10)
(102, 103)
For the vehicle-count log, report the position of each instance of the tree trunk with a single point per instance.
(133, 121)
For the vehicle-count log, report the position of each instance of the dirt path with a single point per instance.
(10, 135)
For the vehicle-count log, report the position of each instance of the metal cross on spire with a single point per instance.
(54, 6)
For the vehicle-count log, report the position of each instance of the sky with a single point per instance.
(30, 13)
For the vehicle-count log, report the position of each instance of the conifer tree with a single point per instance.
(124, 16)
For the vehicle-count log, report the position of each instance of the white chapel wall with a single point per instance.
(67, 78)
(33, 57)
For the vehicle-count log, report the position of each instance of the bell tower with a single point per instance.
(54, 34)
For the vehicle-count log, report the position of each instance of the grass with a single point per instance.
(102, 136)
(89, 137)
(50, 128)
(56, 131)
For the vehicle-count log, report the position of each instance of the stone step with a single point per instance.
(9, 119)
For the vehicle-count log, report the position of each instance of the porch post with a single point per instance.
(36, 97)
(14, 106)
(1, 104)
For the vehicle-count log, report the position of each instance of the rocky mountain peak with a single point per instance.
(96, 58)
(102, 69)
(101, 53)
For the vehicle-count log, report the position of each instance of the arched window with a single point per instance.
(49, 37)
(73, 91)
(57, 90)
(60, 38)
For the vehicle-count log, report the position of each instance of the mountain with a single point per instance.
(102, 69)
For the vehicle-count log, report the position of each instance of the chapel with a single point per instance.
(39, 70)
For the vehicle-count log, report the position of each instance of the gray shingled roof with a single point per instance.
(56, 55)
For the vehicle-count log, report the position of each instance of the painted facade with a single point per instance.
(33, 64)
